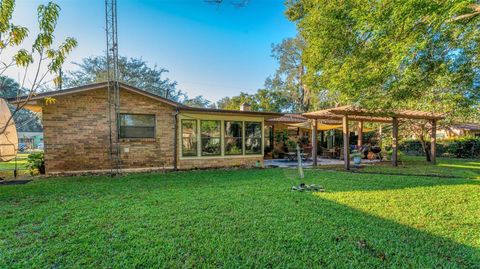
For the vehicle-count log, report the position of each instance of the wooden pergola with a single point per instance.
(351, 113)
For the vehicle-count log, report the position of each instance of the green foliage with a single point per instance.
(391, 54)
(198, 101)
(36, 163)
(133, 71)
(241, 218)
(463, 147)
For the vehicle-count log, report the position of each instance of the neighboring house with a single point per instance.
(30, 140)
(155, 133)
(459, 130)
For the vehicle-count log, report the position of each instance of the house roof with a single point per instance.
(467, 126)
(89, 87)
(100, 85)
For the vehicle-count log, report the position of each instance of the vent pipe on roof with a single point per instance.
(245, 107)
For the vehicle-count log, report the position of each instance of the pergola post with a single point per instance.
(395, 142)
(314, 142)
(433, 141)
(346, 143)
(360, 134)
(380, 134)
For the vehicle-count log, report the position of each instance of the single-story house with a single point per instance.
(459, 130)
(154, 132)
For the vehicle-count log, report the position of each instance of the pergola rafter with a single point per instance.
(352, 113)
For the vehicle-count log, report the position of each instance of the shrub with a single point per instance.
(463, 147)
(36, 163)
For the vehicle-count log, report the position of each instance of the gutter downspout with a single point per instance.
(175, 138)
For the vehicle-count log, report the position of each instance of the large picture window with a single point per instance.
(137, 126)
(189, 138)
(211, 135)
(233, 138)
(253, 137)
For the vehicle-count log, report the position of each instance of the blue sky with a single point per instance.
(210, 50)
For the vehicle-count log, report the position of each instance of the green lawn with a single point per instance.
(241, 218)
(417, 165)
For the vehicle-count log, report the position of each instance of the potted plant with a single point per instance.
(357, 157)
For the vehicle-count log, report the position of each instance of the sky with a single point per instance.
(210, 50)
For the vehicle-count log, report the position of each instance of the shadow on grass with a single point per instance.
(245, 218)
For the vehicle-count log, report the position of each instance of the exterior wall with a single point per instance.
(148, 152)
(201, 162)
(76, 133)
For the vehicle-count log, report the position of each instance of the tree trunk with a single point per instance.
(426, 149)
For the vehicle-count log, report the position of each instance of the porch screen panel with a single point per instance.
(137, 126)
(253, 137)
(189, 138)
(233, 138)
(211, 136)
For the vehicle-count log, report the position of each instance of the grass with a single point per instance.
(418, 166)
(241, 218)
(7, 168)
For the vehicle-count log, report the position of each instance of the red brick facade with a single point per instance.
(76, 135)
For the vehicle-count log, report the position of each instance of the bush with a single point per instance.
(36, 163)
(463, 147)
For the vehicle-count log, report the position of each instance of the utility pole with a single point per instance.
(113, 92)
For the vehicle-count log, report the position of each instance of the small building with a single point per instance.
(155, 133)
(459, 130)
(30, 140)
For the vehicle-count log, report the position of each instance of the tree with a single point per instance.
(42, 59)
(133, 71)
(198, 101)
(392, 55)
(233, 103)
(290, 74)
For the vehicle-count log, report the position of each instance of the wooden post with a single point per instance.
(314, 142)
(433, 141)
(346, 143)
(380, 134)
(395, 142)
(360, 134)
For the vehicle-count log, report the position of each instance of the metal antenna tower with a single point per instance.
(113, 92)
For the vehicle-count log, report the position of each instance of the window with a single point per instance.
(210, 131)
(253, 137)
(137, 126)
(189, 138)
(233, 138)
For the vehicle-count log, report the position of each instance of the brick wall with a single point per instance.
(202, 163)
(76, 136)
(76, 133)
